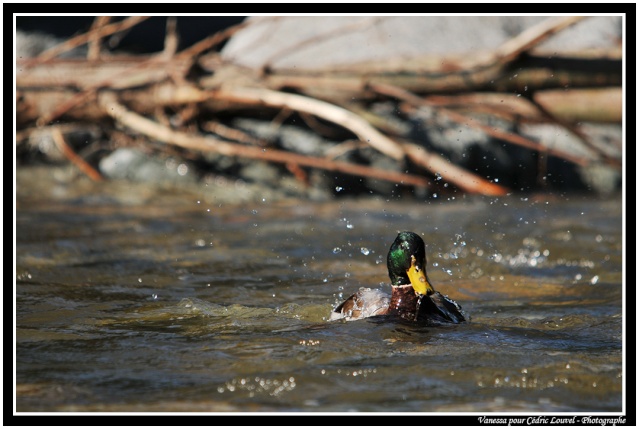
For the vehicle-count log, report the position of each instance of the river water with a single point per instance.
(167, 302)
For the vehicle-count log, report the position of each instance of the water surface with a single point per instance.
(181, 304)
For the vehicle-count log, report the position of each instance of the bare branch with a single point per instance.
(330, 112)
(85, 38)
(66, 150)
(209, 144)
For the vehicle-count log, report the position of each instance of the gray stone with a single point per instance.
(132, 164)
(321, 41)
(287, 137)
(32, 44)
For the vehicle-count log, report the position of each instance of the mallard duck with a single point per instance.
(412, 298)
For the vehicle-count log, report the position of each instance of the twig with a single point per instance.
(317, 126)
(531, 109)
(81, 39)
(171, 39)
(574, 129)
(496, 104)
(188, 54)
(533, 36)
(66, 150)
(90, 91)
(330, 112)
(232, 134)
(93, 52)
(413, 99)
(513, 138)
(461, 178)
(209, 144)
(279, 119)
(344, 147)
(74, 101)
(298, 172)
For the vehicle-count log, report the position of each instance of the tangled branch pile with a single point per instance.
(189, 104)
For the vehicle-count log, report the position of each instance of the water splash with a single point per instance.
(259, 385)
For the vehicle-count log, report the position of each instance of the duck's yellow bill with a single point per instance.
(417, 276)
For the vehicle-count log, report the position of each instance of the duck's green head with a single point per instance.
(407, 263)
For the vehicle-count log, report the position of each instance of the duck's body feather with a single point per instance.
(365, 302)
(412, 296)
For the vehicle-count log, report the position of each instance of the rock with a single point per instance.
(292, 138)
(32, 44)
(304, 42)
(132, 164)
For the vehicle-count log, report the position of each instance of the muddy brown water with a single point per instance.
(181, 304)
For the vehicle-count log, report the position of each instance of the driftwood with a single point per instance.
(209, 144)
(62, 145)
(116, 88)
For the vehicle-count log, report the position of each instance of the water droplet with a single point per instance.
(182, 169)
(349, 225)
(365, 251)
(154, 296)
(336, 250)
(594, 280)
(338, 188)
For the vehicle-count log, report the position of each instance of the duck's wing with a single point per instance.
(439, 308)
(364, 303)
